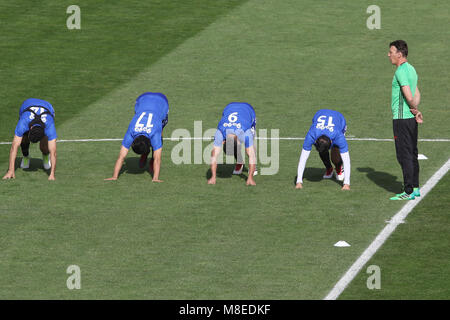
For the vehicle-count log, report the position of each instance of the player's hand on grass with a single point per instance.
(419, 117)
(212, 181)
(9, 175)
(111, 179)
(250, 182)
(299, 186)
(346, 187)
(156, 180)
(51, 177)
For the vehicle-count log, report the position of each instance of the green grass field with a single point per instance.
(184, 239)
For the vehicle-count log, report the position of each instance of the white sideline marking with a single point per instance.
(258, 138)
(398, 218)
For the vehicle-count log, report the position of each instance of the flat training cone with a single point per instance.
(341, 244)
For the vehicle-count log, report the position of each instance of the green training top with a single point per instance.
(405, 75)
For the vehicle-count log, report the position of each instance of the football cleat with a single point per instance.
(143, 160)
(46, 161)
(238, 168)
(403, 196)
(416, 192)
(25, 164)
(340, 173)
(328, 174)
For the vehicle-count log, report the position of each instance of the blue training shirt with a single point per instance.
(25, 117)
(238, 118)
(331, 124)
(151, 114)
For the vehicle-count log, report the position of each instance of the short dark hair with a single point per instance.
(141, 145)
(323, 143)
(36, 133)
(401, 46)
(36, 129)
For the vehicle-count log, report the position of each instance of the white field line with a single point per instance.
(384, 234)
(258, 138)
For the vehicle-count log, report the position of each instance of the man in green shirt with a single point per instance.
(404, 102)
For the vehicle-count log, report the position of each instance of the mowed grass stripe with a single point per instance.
(265, 53)
(74, 68)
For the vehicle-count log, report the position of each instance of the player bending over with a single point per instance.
(327, 132)
(237, 126)
(36, 123)
(145, 132)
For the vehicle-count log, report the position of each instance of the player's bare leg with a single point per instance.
(150, 164)
(239, 160)
(143, 160)
(43, 145)
(25, 147)
(337, 161)
(232, 147)
(325, 157)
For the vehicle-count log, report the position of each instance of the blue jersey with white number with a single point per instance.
(25, 117)
(155, 101)
(331, 124)
(238, 118)
(151, 114)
